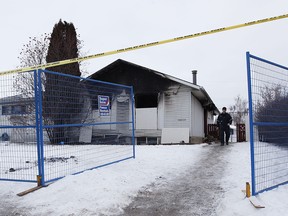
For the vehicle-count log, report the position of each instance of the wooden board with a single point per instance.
(29, 191)
(255, 202)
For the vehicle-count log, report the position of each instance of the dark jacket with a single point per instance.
(223, 120)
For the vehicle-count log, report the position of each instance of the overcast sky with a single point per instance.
(113, 24)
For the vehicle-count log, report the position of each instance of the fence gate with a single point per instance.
(241, 132)
(268, 113)
(53, 125)
(213, 131)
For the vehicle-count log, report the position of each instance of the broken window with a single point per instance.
(146, 100)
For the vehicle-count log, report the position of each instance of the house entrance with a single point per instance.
(240, 132)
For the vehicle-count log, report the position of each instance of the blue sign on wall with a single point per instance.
(104, 105)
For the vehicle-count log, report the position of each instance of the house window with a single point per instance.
(18, 109)
(6, 110)
(146, 100)
(14, 110)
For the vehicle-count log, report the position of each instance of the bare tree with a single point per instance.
(239, 110)
(33, 53)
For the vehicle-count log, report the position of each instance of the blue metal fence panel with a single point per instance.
(70, 124)
(268, 110)
(87, 124)
(18, 142)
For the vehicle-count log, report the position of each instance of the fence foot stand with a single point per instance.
(253, 199)
(32, 189)
(248, 193)
(39, 180)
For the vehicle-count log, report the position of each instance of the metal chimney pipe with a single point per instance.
(194, 73)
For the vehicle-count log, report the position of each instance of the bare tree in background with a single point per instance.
(239, 110)
(33, 53)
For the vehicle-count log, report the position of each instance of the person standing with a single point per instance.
(224, 121)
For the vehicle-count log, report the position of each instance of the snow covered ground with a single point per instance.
(106, 191)
(59, 160)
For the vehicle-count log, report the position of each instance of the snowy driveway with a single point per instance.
(197, 192)
(163, 180)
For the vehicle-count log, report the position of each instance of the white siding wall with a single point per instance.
(177, 104)
(197, 121)
(130, 114)
(122, 115)
(121, 111)
(160, 112)
(110, 118)
(247, 128)
(146, 118)
(18, 134)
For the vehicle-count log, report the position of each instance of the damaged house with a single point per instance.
(167, 109)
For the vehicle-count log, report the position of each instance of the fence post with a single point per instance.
(133, 126)
(39, 126)
(251, 123)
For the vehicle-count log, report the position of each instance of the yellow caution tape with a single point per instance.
(69, 61)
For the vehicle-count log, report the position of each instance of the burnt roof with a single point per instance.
(145, 80)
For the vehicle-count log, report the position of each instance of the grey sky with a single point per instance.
(112, 24)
